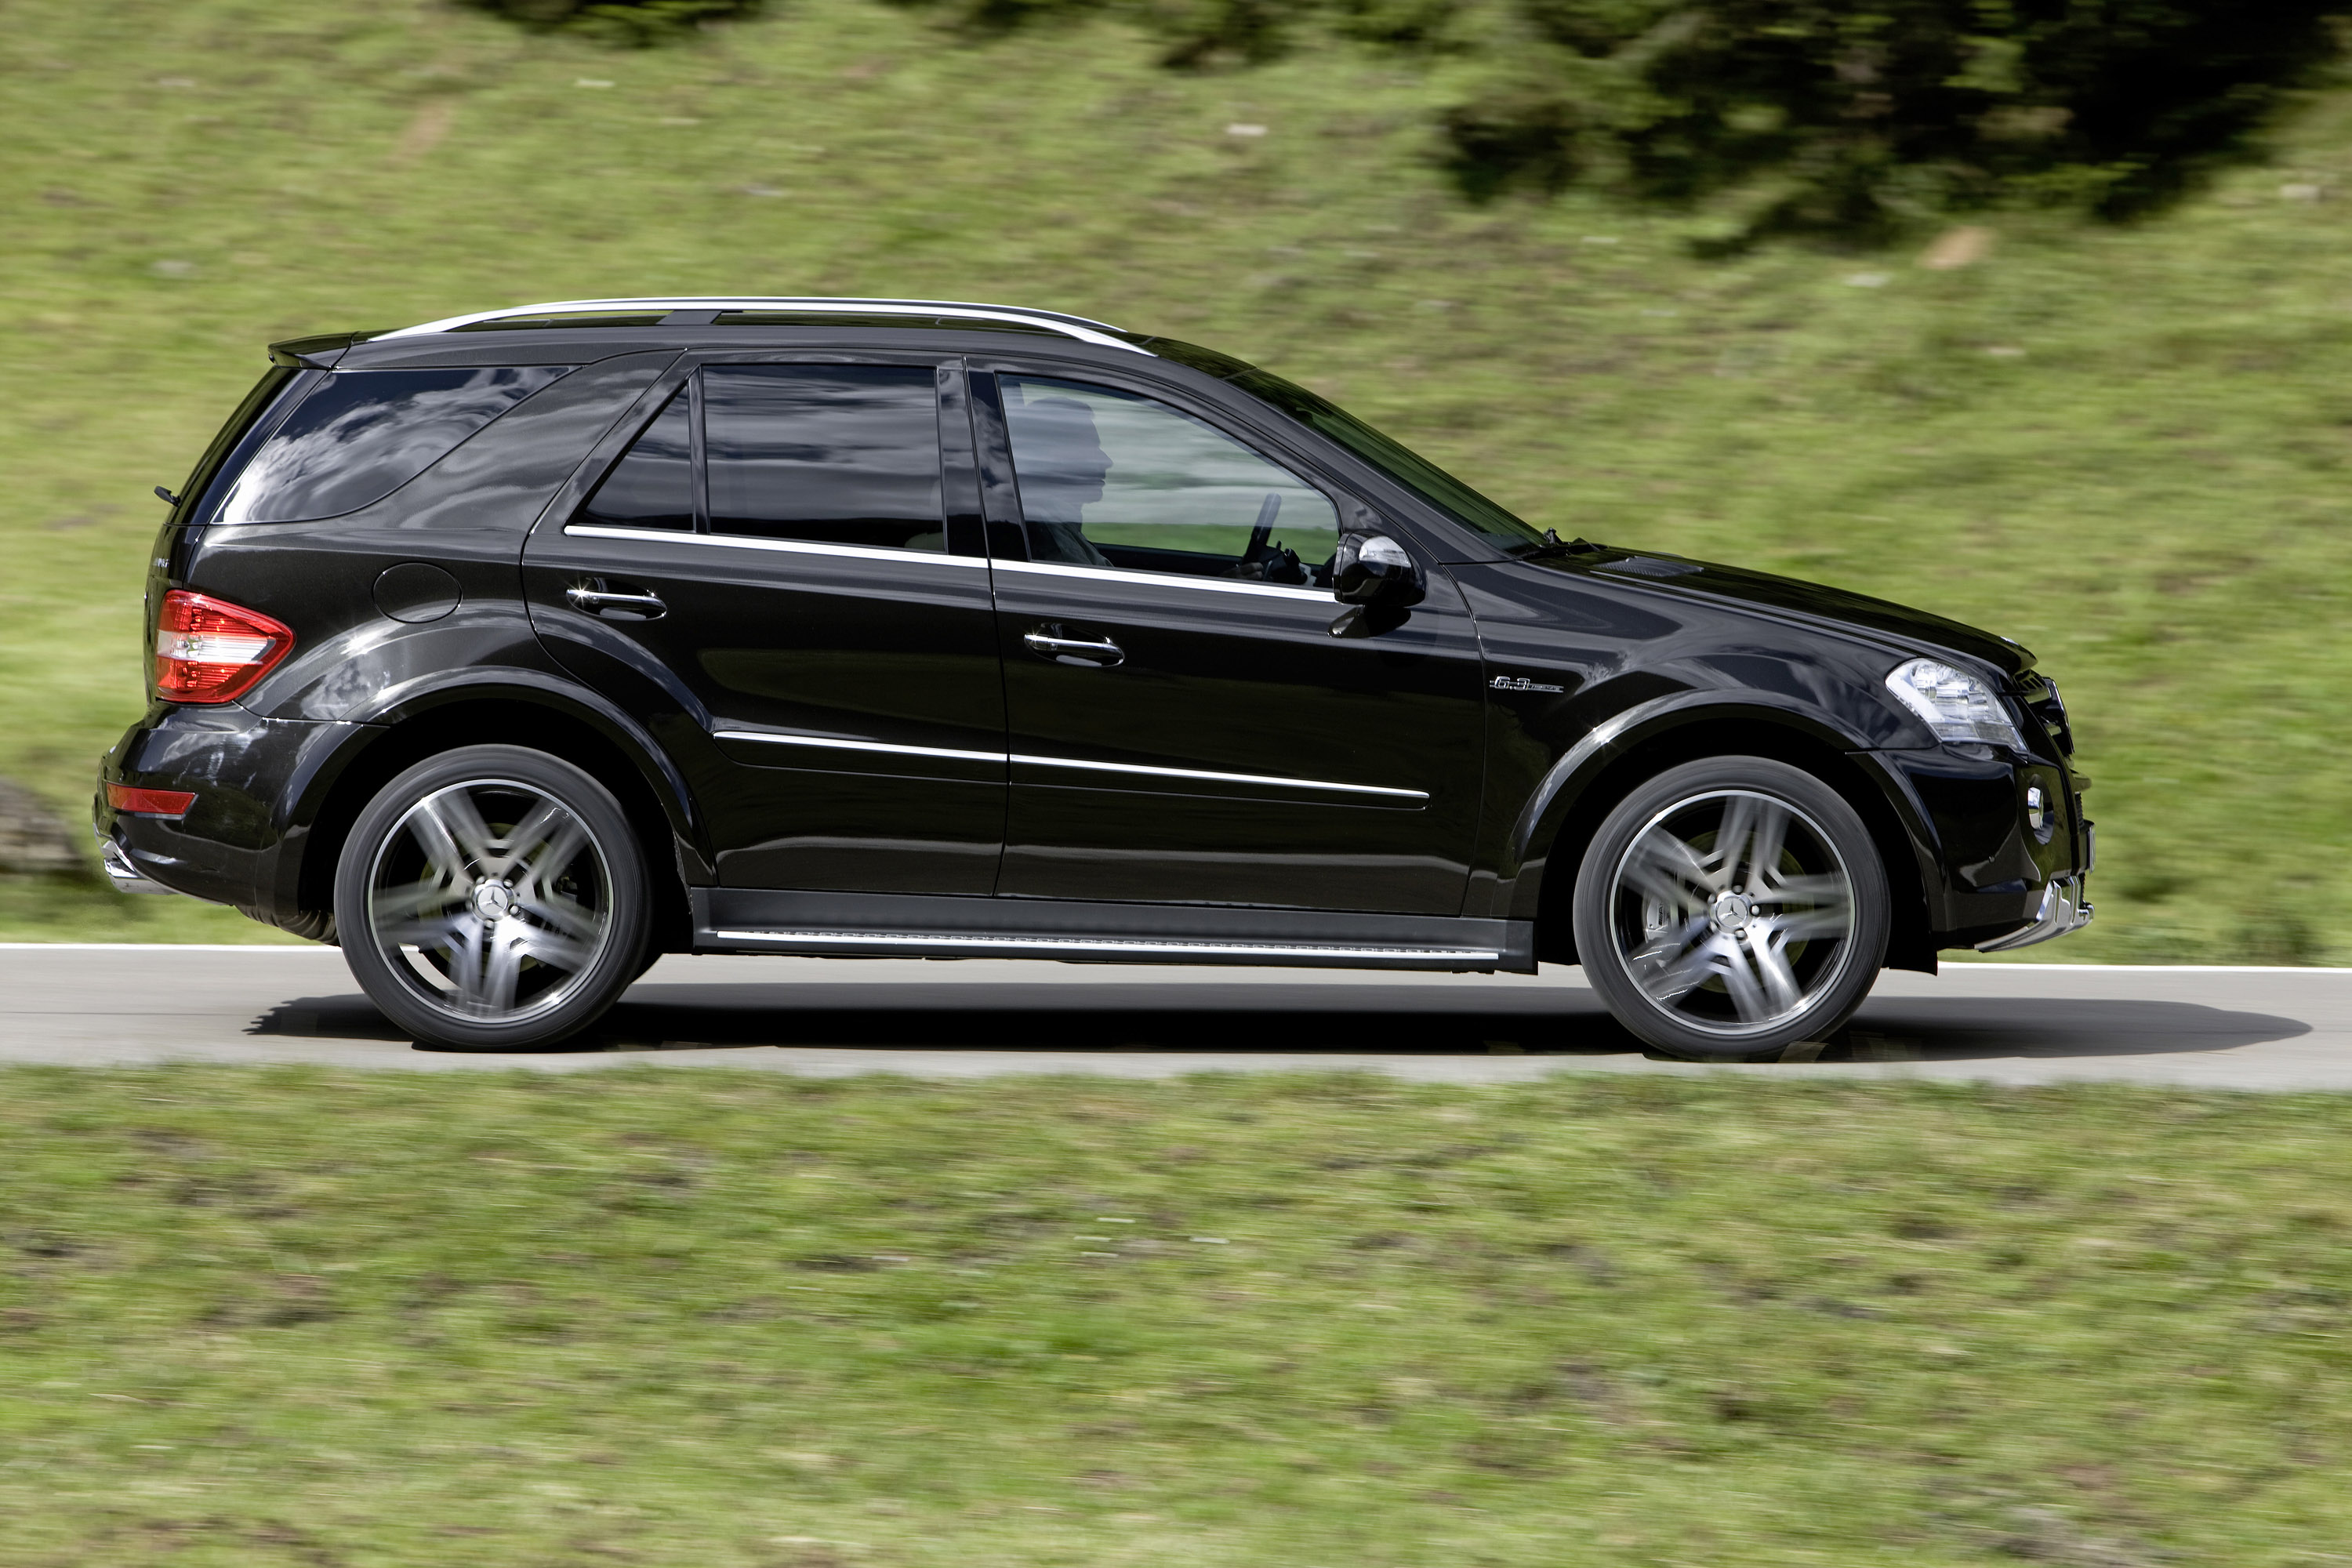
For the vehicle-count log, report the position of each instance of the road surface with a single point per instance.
(2017, 1024)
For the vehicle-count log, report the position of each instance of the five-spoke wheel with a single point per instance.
(493, 898)
(1730, 908)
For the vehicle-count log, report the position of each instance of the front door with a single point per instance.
(1184, 724)
(783, 579)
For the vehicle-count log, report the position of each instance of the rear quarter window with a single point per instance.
(362, 434)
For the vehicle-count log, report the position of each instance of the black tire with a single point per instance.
(1698, 952)
(493, 899)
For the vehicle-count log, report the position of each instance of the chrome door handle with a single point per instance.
(597, 602)
(1073, 650)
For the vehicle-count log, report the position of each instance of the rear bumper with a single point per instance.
(238, 843)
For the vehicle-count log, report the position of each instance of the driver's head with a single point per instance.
(1060, 456)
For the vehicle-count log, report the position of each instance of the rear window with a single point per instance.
(362, 434)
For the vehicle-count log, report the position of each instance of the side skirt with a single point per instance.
(893, 926)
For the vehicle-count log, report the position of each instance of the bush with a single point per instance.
(635, 22)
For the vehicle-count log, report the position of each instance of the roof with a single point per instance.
(708, 306)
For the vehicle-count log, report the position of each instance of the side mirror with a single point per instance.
(1372, 569)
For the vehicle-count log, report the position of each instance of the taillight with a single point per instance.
(207, 650)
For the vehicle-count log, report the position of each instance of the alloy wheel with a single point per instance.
(1733, 912)
(490, 900)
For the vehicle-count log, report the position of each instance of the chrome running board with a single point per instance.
(1141, 949)
(882, 925)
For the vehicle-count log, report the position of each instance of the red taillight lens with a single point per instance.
(149, 802)
(207, 650)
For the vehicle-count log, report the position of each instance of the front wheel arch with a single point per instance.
(1911, 943)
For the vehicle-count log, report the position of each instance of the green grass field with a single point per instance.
(2127, 448)
(714, 1320)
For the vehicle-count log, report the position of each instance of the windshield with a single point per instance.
(1406, 467)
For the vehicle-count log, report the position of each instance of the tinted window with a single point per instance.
(653, 484)
(1109, 479)
(245, 430)
(834, 454)
(1401, 463)
(362, 434)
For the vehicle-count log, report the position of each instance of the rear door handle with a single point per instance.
(1074, 651)
(633, 607)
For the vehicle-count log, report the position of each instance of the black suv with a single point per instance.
(514, 650)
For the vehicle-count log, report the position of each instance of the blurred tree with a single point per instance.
(635, 22)
(1853, 118)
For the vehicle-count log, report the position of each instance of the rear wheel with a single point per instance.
(1730, 908)
(493, 899)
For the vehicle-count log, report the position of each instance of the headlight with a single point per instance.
(1956, 706)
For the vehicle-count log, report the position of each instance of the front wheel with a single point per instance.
(1730, 908)
(493, 898)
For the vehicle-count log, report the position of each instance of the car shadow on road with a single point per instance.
(1323, 1018)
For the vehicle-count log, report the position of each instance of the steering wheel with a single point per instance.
(1263, 529)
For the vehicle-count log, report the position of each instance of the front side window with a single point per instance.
(829, 454)
(1111, 478)
(362, 434)
(1398, 461)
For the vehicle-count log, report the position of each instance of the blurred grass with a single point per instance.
(2127, 448)
(714, 1318)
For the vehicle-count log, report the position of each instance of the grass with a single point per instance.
(713, 1318)
(2127, 447)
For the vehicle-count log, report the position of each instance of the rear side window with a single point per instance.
(653, 484)
(362, 434)
(831, 454)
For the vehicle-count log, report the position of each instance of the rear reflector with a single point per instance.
(149, 802)
(208, 651)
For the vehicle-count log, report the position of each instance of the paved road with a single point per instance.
(2240, 1028)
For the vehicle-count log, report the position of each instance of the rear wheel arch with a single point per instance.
(1912, 942)
(646, 796)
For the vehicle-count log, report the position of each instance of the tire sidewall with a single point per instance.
(614, 967)
(1592, 915)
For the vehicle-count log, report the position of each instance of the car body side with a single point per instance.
(1600, 667)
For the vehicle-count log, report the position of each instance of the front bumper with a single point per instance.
(1994, 880)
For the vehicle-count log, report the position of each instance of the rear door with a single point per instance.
(1191, 720)
(783, 579)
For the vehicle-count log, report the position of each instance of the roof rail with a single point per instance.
(1078, 327)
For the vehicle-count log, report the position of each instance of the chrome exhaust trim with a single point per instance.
(2064, 909)
(126, 878)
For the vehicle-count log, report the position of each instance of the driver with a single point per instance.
(1063, 467)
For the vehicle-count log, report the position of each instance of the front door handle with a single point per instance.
(1074, 651)
(633, 607)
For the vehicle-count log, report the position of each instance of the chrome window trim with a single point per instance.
(1221, 778)
(1087, 332)
(1105, 945)
(788, 546)
(827, 743)
(836, 743)
(1171, 579)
